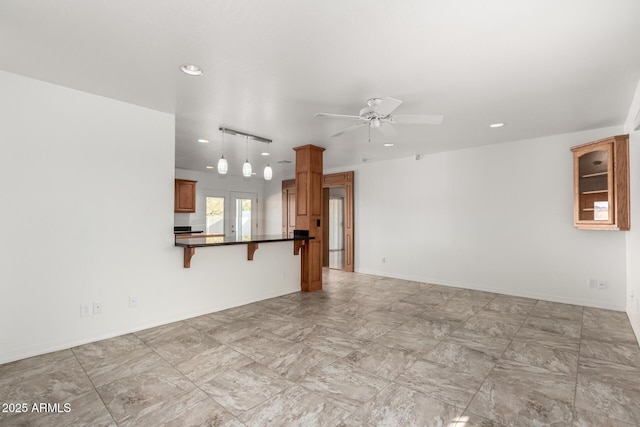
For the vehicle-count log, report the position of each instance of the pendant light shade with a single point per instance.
(223, 166)
(246, 168)
(268, 172)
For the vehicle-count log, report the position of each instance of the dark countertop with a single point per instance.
(203, 241)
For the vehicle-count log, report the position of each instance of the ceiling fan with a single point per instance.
(378, 113)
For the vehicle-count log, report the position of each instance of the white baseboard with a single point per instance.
(533, 295)
(635, 323)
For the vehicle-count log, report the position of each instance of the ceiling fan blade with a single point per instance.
(349, 129)
(386, 106)
(337, 116)
(418, 119)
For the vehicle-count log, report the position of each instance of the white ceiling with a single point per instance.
(541, 66)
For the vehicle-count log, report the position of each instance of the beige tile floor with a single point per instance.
(365, 351)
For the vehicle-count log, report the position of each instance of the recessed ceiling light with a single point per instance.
(203, 141)
(265, 153)
(209, 167)
(388, 144)
(496, 125)
(192, 70)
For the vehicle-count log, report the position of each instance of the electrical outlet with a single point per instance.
(97, 308)
(593, 283)
(133, 302)
(84, 310)
(383, 260)
(602, 284)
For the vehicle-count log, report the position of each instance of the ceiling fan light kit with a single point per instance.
(377, 115)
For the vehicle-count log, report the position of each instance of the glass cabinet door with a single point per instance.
(595, 185)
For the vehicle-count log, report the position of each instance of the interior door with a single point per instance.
(243, 214)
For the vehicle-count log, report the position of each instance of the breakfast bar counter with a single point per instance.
(191, 242)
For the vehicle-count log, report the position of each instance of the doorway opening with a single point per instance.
(244, 218)
(336, 227)
(215, 215)
(343, 246)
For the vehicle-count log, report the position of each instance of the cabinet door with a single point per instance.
(595, 189)
(185, 196)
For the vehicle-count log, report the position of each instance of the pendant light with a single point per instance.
(246, 168)
(223, 166)
(268, 172)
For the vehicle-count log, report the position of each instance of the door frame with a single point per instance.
(341, 179)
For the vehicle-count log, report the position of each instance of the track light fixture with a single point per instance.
(247, 169)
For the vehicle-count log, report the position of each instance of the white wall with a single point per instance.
(273, 206)
(497, 218)
(210, 183)
(87, 211)
(633, 236)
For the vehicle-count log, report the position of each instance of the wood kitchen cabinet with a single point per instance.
(601, 184)
(185, 196)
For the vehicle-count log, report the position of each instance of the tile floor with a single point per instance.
(365, 351)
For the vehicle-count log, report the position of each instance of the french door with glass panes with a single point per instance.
(243, 215)
(233, 214)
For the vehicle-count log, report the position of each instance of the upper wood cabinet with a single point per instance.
(185, 196)
(601, 184)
